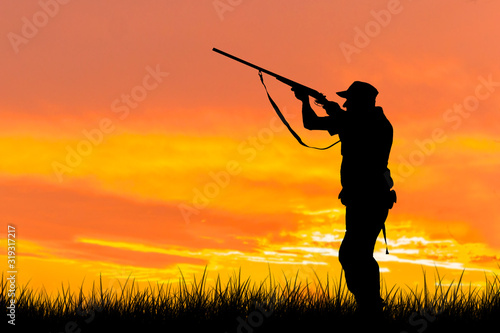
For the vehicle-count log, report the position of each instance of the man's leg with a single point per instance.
(363, 225)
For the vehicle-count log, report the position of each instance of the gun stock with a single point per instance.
(320, 98)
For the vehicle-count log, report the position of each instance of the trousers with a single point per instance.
(363, 225)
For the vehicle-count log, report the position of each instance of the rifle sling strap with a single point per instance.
(280, 115)
(385, 239)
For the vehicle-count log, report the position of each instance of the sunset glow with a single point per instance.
(129, 148)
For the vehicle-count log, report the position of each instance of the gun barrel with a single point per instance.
(245, 62)
(310, 91)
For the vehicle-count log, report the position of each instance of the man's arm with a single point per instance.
(311, 120)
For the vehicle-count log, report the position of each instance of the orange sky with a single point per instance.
(129, 147)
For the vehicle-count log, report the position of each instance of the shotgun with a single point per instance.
(320, 98)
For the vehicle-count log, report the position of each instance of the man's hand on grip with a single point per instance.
(300, 93)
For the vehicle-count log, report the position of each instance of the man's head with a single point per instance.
(359, 96)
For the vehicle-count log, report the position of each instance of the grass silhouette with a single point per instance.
(242, 306)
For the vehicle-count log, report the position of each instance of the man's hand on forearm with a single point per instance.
(309, 117)
(300, 94)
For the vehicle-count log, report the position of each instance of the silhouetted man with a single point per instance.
(366, 137)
